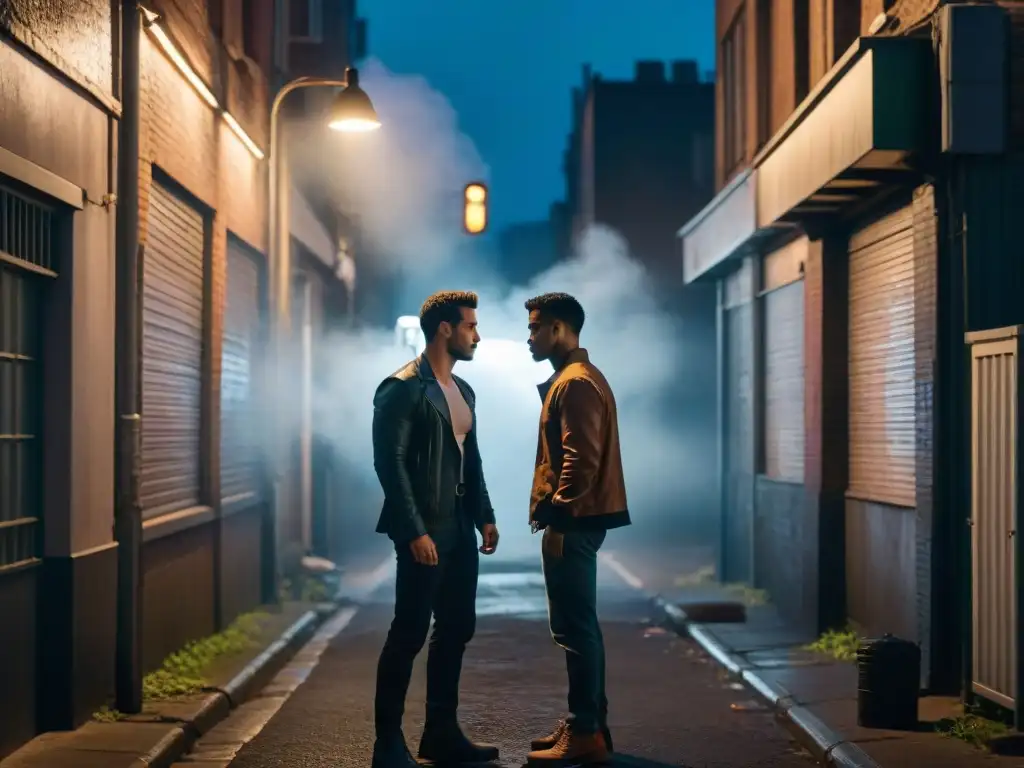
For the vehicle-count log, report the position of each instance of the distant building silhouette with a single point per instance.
(640, 155)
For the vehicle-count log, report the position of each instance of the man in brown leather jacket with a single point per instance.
(578, 495)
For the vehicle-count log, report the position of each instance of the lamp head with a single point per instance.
(352, 111)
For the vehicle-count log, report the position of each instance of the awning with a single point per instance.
(853, 132)
(721, 229)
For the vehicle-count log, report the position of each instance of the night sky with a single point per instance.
(508, 66)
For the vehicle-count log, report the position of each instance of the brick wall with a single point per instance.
(925, 273)
(825, 434)
(907, 13)
(192, 144)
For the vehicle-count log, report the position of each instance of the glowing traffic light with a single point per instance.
(474, 215)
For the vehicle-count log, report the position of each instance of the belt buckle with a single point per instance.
(460, 490)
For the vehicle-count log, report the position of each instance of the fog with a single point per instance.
(403, 184)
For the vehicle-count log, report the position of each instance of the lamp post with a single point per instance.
(352, 112)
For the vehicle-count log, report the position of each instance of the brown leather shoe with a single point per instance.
(573, 749)
(547, 742)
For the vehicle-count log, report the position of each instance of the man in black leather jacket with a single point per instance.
(427, 458)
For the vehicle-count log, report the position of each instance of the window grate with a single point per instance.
(27, 231)
(27, 258)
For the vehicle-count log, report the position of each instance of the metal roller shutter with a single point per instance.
(784, 383)
(738, 523)
(172, 354)
(882, 419)
(239, 444)
(740, 441)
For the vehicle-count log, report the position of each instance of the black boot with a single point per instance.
(391, 752)
(445, 743)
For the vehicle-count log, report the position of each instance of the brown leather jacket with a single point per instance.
(577, 480)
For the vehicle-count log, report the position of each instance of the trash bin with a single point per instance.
(888, 683)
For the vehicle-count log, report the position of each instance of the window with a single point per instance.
(734, 65)
(764, 72)
(802, 53)
(28, 255)
(305, 20)
(251, 29)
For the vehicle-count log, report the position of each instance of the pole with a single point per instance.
(279, 286)
(128, 507)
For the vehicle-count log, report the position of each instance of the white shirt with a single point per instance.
(462, 417)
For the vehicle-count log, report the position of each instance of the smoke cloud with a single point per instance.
(405, 192)
(403, 183)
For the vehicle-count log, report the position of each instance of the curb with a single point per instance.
(219, 702)
(827, 745)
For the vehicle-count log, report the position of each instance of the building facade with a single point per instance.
(525, 250)
(640, 156)
(58, 560)
(206, 76)
(843, 161)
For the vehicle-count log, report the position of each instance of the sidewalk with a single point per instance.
(817, 695)
(167, 729)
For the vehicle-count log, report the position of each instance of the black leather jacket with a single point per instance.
(417, 457)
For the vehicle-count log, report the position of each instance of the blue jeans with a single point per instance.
(571, 583)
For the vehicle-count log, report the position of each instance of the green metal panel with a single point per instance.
(991, 196)
(904, 79)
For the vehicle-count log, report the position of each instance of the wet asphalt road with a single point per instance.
(670, 704)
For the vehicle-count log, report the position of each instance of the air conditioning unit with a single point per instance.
(973, 48)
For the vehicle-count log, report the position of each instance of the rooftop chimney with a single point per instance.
(650, 72)
(684, 71)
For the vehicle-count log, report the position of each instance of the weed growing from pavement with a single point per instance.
(841, 645)
(183, 673)
(308, 589)
(972, 728)
(706, 576)
(746, 594)
(700, 577)
(107, 715)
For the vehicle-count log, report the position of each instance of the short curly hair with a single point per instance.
(444, 307)
(559, 306)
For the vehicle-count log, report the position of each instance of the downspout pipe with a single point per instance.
(128, 507)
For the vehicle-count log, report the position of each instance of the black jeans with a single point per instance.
(448, 592)
(571, 582)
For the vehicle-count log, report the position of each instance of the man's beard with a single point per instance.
(460, 355)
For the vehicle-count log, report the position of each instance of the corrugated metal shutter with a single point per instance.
(740, 442)
(994, 500)
(172, 354)
(784, 383)
(882, 418)
(739, 427)
(239, 444)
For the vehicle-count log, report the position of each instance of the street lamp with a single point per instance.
(351, 112)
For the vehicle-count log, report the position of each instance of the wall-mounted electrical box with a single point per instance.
(973, 47)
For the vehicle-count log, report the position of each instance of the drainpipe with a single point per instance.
(128, 507)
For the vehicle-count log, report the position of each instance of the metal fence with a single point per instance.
(995, 360)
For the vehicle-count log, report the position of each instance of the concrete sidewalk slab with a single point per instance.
(166, 730)
(816, 696)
